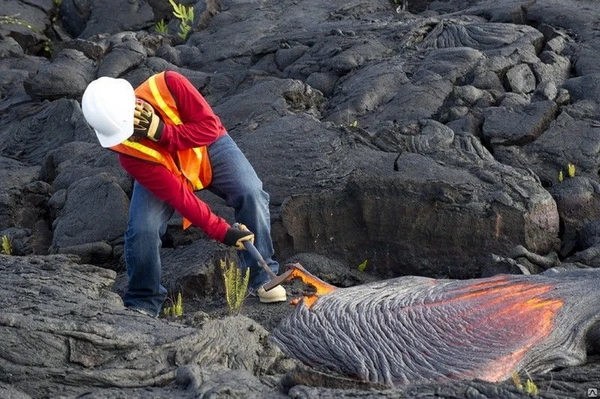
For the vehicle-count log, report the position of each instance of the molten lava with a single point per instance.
(320, 287)
(415, 329)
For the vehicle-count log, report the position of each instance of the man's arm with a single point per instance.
(200, 124)
(165, 186)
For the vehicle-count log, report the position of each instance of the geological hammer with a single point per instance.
(275, 280)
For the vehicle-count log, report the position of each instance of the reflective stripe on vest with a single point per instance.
(146, 150)
(160, 101)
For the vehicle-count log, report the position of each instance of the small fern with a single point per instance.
(185, 15)
(176, 309)
(529, 386)
(161, 27)
(236, 285)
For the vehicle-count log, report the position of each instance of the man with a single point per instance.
(172, 143)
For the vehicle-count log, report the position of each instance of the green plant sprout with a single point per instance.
(571, 170)
(161, 27)
(55, 9)
(354, 124)
(185, 16)
(6, 246)
(529, 386)
(176, 309)
(13, 20)
(363, 266)
(236, 285)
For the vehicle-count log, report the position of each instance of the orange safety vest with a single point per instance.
(192, 165)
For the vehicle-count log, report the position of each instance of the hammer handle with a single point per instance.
(258, 257)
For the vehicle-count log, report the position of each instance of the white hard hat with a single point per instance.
(108, 105)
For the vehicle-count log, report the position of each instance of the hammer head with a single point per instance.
(278, 280)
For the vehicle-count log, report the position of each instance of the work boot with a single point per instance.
(276, 294)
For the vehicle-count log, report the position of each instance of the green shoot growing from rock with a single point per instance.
(13, 20)
(529, 386)
(6, 246)
(161, 27)
(363, 266)
(176, 309)
(236, 285)
(185, 16)
(571, 170)
(55, 10)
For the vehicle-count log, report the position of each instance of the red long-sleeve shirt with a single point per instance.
(200, 127)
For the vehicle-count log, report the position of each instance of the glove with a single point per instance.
(235, 237)
(146, 123)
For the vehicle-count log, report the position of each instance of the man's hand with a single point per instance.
(145, 122)
(236, 236)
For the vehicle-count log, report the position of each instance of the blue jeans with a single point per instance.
(237, 183)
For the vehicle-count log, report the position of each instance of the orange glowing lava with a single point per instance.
(321, 288)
